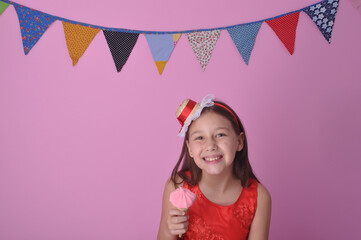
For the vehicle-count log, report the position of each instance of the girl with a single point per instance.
(231, 203)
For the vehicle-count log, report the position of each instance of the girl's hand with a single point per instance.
(173, 221)
(177, 221)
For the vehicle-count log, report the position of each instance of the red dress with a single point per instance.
(208, 220)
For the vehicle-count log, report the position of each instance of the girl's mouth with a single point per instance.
(213, 159)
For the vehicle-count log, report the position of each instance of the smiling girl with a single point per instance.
(231, 203)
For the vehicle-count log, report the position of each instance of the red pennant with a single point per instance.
(285, 29)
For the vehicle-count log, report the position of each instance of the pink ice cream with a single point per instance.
(182, 198)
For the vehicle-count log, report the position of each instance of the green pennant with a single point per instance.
(3, 7)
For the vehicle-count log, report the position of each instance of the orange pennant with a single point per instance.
(78, 39)
(285, 28)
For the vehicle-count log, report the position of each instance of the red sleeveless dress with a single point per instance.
(208, 220)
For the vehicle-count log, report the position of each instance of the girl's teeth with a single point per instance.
(212, 159)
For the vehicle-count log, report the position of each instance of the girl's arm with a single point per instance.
(261, 221)
(173, 221)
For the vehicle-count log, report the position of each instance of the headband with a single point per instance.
(229, 110)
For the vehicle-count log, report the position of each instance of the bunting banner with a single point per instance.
(121, 41)
(3, 7)
(161, 47)
(78, 39)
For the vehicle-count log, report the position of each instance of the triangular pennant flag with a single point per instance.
(33, 24)
(323, 14)
(78, 39)
(121, 45)
(3, 7)
(285, 28)
(243, 37)
(161, 46)
(203, 44)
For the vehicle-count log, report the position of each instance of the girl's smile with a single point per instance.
(213, 159)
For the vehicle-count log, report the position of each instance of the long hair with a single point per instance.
(242, 169)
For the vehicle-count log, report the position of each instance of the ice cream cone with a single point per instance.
(182, 199)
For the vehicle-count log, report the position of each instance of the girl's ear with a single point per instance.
(240, 140)
(189, 149)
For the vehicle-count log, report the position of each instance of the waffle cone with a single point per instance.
(183, 210)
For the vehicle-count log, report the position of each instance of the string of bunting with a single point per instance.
(34, 23)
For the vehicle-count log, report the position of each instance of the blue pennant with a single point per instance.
(323, 14)
(33, 24)
(243, 37)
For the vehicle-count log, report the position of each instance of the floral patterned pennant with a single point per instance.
(323, 14)
(203, 43)
(33, 24)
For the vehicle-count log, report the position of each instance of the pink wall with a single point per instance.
(85, 151)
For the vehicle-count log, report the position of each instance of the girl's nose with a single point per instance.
(211, 145)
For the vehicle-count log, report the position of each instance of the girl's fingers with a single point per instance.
(175, 211)
(177, 232)
(177, 221)
(181, 225)
(178, 228)
(180, 219)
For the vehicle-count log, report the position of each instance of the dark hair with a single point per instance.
(241, 167)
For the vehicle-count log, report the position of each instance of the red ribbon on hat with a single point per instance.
(186, 111)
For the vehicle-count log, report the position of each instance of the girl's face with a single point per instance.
(213, 143)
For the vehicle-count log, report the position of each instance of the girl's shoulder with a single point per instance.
(263, 194)
(258, 192)
(264, 201)
(261, 221)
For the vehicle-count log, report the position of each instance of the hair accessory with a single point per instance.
(189, 111)
(229, 110)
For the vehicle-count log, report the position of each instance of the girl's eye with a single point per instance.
(221, 135)
(198, 138)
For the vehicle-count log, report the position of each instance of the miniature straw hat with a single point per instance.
(190, 110)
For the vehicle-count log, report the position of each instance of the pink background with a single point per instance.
(85, 151)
